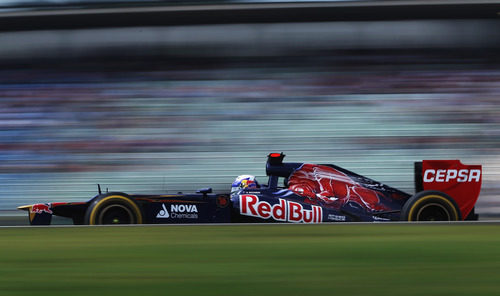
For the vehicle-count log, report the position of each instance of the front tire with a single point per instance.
(430, 205)
(113, 209)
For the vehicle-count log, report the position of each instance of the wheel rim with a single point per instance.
(115, 214)
(433, 212)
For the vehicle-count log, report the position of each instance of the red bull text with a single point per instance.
(283, 211)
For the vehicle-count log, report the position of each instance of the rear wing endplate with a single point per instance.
(461, 182)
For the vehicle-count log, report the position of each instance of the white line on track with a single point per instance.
(493, 222)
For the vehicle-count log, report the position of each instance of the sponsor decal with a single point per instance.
(447, 175)
(178, 211)
(376, 218)
(284, 210)
(333, 217)
(41, 208)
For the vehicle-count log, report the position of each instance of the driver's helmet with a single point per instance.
(244, 181)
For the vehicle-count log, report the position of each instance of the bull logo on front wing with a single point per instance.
(41, 208)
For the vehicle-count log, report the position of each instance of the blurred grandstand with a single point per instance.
(167, 107)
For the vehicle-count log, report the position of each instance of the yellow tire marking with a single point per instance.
(410, 215)
(128, 201)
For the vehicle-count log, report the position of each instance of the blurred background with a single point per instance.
(168, 96)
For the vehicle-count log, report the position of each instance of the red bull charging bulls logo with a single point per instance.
(41, 208)
(284, 210)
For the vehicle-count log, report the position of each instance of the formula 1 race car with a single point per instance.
(446, 190)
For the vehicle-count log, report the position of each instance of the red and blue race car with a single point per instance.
(446, 190)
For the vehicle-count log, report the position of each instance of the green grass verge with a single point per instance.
(378, 259)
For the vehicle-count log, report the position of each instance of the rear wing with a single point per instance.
(461, 182)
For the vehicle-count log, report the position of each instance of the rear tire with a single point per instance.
(113, 208)
(430, 206)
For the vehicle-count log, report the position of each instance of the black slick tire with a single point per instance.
(113, 208)
(430, 205)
